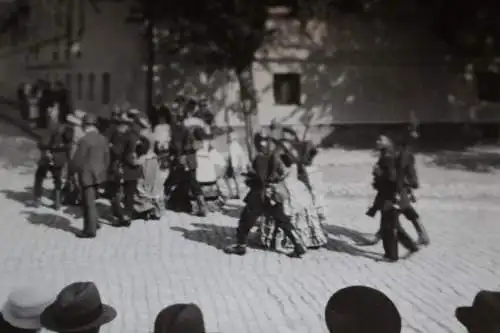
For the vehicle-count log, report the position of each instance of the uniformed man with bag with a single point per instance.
(117, 144)
(131, 171)
(55, 148)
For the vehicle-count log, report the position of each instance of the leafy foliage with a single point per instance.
(222, 32)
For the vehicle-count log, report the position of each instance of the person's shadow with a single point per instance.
(24, 196)
(104, 212)
(50, 220)
(335, 243)
(209, 234)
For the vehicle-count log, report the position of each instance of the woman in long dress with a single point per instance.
(208, 174)
(304, 207)
(149, 194)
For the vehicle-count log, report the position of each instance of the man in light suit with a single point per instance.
(90, 162)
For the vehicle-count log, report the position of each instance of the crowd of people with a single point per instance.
(43, 104)
(78, 308)
(127, 161)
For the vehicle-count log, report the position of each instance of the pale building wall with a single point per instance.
(351, 72)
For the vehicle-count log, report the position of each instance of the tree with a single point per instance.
(472, 32)
(221, 33)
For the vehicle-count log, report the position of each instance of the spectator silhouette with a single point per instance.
(77, 309)
(484, 314)
(21, 312)
(360, 309)
(180, 318)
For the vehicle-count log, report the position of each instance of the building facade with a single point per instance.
(348, 71)
(88, 45)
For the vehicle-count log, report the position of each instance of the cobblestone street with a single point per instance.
(178, 259)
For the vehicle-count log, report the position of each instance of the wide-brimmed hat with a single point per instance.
(133, 113)
(143, 122)
(484, 312)
(78, 307)
(180, 318)
(73, 119)
(24, 307)
(360, 309)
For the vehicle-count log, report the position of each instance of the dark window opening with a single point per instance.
(287, 89)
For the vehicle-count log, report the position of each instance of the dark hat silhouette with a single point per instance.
(483, 314)
(78, 307)
(180, 318)
(89, 119)
(361, 309)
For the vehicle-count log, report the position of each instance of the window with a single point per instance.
(91, 87)
(286, 88)
(67, 81)
(79, 85)
(488, 86)
(106, 88)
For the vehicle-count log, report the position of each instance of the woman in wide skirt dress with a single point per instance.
(307, 214)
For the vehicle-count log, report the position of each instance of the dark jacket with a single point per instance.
(267, 170)
(57, 142)
(183, 147)
(407, 179)
(91, 159)
(385, 175)
(131, 171)
(117, 143)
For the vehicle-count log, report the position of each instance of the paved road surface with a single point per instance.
(142, 269)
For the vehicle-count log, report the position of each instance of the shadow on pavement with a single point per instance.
(50, 220)
(338, 245)
(469, 161)
(75, 211)
(210, 234)
(24, 196)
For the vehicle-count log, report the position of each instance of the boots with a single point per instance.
(37, 202)
(202, 206)
(423, 237)
(238, 249)
(299, 247)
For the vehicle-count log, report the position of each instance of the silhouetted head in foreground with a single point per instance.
(484, 314)
(360, 309)
(180, 318)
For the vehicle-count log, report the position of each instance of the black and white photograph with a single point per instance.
(237, 166)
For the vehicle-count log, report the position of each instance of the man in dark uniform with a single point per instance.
(55, 148)
(387, 202)
(117, 143)
(183, 165)
(267, 195)
(111, 133)
(62, 97)
(90, 163)
(131, 171)
(407, 183)
(114, 121)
